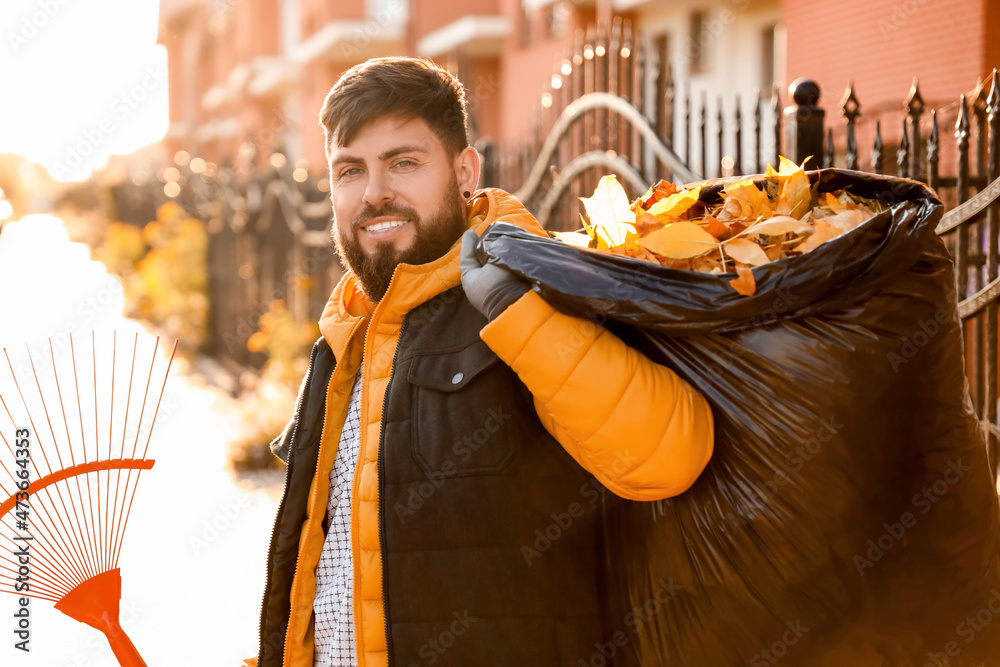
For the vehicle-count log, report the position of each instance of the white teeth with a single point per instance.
(382, 226)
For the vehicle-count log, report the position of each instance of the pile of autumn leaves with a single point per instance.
(748, 227)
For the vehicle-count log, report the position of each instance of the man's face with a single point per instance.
(396, 199)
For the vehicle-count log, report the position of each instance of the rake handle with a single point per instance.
(121, 645)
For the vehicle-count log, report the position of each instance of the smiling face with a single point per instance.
(396, 196)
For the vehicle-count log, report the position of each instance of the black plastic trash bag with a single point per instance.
(848, 515)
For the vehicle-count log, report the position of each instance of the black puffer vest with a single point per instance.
(490, 531)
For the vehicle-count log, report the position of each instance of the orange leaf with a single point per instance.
(716, 228)
(822, 233)
(680, 240)
(657, 192)
(745, 251)
(753, 201)
(744, 282)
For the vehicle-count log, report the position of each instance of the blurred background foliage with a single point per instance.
(163, 269)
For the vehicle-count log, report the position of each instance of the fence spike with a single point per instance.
(721, 120)
(877, 149)
(776, 109)
(903, 153)
(850, 108)
(933, 151)
(828, 151)
(758, 101)
(738, 120)
(704, 125)
(914, 105)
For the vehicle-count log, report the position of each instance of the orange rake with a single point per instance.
(68, 553)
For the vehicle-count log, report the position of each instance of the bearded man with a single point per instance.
(454, 432)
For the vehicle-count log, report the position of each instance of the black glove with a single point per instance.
(490, 288)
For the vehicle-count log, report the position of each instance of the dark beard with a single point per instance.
(433, 239)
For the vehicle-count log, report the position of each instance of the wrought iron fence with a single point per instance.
(610, 109)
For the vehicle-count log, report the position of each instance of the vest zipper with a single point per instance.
(381, 495)
(284, 496)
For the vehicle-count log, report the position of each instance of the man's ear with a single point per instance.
(467, 165)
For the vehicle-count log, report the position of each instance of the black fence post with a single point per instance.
(489, 173)
(804, 123)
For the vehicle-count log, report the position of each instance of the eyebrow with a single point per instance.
(387, 155)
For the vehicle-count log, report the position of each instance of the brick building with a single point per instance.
(248, 77)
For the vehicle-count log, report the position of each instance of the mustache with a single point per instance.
(370, 212)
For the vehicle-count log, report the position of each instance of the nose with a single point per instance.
(378, 190)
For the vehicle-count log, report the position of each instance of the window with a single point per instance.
(525, 26)
(700, 40)
(768, 75)
(557, 17)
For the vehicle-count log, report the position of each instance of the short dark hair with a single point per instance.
(396, 86)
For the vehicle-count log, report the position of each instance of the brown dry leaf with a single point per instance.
(706, 264)
(657, 192)
(680, 240)
(775, 252)
(731, 210)
(645, 223)
(745, 251)
(744, 282)
(822, 232)
(716, 228)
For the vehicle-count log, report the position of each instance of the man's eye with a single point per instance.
(350, 171)
(406, 163)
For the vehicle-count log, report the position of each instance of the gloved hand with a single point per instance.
(490, 288)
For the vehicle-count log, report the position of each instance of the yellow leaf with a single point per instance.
(822, 233)
(847, 220)
(752, 200)
(745, 251)
(833, 203)
(680, 240)
(779, 224)
(676, 204)
(577, 239)
(794, 193)
(610, 213)
(744, 282)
